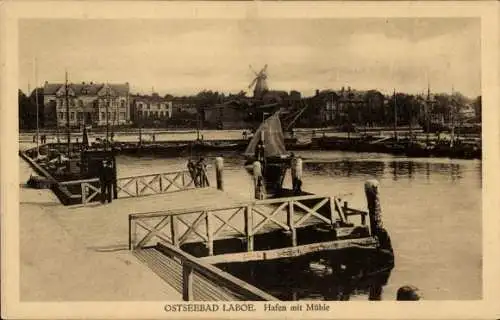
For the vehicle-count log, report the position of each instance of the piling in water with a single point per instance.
(258, 181)
(373, 200)
(219, 170)
(296, 172)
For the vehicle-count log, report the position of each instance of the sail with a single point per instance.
(274, 142)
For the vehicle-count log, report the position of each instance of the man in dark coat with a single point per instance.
(106, 178)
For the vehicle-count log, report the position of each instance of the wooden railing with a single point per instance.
(138, 186)
(205, 279)
(134, 186)
(242, 220)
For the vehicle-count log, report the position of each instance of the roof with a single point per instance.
(92, 88)
(147, 98)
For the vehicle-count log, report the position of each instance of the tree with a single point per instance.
(477, 105)
(27, 112)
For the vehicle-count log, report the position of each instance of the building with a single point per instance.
(184, 107)
(229, 115)
(91, 103)
(150, 108)
(345, 106)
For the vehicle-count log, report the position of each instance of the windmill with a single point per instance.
(260, 82)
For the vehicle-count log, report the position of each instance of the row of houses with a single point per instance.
(98, 104)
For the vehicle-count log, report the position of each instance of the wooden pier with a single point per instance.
(249, 223)
(183, 235)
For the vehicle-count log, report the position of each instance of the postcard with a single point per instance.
(256, 160)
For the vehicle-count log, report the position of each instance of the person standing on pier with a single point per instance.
(260, 151)
(106, 180)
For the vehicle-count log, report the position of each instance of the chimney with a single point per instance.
(349, 88)
(317, 92)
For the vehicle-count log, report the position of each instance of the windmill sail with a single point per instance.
(271, 132)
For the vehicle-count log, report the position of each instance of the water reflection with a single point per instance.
(396, 169)
(336, 276)
(346, 168)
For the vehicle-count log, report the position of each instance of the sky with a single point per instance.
(183, 57)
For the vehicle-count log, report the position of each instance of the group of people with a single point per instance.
(198, 171)
(43, 138)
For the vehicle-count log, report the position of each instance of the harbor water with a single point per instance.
(431, 208)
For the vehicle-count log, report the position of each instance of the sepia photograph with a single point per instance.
(254, 163)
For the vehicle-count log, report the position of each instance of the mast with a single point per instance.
(452, 138)
(67, 115)
(107, 117)
(37, 116)
(395, 116)
(411, 120)
(427, 112)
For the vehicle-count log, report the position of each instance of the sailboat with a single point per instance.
(268, 147)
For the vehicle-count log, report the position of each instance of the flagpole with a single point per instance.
(67, 115)
(37, 112)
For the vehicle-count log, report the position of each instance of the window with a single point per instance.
(80, 103)
(159, 106)
(72, 103)
(148, 106)
(103, 116)
(122, 115)
(61, 115)
(122, 104)
(72, 116)
(139, 114)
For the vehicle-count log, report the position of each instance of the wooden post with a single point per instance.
(346, 205)
(115, 180)
(296, 172)
(187, 282)
(173, 230)
(210, 240)
(374, 211)
(249, 227)
(219, 170)
(136, 187)
(289, 221)
(258, 181)
(333, 219)
(131, 233)
(84, 193)
(161, 184)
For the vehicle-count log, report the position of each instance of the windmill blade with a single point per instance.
(253, 70)
(264, 69)
(252, 83)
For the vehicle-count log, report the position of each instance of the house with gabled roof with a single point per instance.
(91, 103)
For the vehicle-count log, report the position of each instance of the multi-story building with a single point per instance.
(329, 107)
(184, 107)
(91, 103)
(152, 107)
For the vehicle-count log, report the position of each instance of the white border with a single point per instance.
(11, 12)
